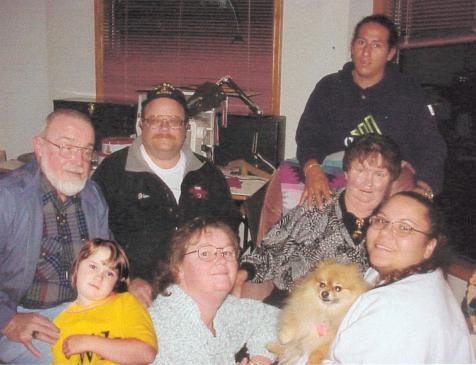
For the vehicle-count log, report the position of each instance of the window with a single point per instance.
(141, 43)
(433, 22)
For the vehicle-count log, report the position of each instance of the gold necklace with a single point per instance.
(359, 222)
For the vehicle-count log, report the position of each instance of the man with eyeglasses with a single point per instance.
(158, 183)
(48, 209)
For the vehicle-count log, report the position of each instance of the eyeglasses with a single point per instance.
(399, 229)
(156, 122)
(67, 151)
(210, 253)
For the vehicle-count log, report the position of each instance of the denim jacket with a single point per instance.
(21, 230)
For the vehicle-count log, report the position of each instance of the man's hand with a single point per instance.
(316, 187)
(22, 327)
(75, 344)
(142, 290)
(241, 277)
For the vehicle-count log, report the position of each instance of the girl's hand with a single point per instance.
(75, 344)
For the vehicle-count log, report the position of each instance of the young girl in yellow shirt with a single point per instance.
(105, 324)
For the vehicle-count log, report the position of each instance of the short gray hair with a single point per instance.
(64, 113)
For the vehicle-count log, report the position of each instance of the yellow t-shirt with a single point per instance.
(117, 316)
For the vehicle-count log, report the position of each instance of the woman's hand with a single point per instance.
(316, 187)
(255, 360)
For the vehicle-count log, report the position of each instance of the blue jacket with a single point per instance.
(21, 229)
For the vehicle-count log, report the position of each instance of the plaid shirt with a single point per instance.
(64, 232)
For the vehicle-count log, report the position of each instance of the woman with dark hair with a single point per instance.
(197, 321)
(306, 236)
(412, 315)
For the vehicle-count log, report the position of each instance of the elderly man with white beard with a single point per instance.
(48, 209)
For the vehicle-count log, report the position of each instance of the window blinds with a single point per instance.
(188, 42)
(433, 22)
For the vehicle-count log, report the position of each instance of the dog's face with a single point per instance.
(329, 290)
(333, 283)
(315, 309)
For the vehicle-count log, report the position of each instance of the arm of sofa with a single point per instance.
(458, 276)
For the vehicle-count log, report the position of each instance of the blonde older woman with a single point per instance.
(412, 315)
(196, 320)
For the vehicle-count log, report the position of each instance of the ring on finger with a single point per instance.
(35, 334)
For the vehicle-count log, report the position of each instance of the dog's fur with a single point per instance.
(314, 310)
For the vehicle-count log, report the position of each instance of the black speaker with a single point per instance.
(246, 135)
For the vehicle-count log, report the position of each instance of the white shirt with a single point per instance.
(414, 320)
(172, 177)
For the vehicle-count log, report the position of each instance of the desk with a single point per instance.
(242, 186)
(249, 186)
(249, 197)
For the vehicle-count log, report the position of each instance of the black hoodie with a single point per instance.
(339, 109)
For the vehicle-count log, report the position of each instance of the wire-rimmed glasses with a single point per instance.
(399, 228)
(158, 121)
(67, 151)
(210, 253)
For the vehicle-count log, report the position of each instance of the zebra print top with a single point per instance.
(300, 240)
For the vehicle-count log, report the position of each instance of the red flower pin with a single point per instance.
(198, 192)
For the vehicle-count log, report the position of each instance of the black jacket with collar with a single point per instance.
(143, 212)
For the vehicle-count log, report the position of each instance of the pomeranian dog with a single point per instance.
(314, 310)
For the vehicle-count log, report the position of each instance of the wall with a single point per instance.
(24, 73)
(71, 55)
(48, 52)
(316, 39)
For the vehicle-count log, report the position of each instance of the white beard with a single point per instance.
(67, 187)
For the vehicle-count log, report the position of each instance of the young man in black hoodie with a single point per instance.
(370, 95)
